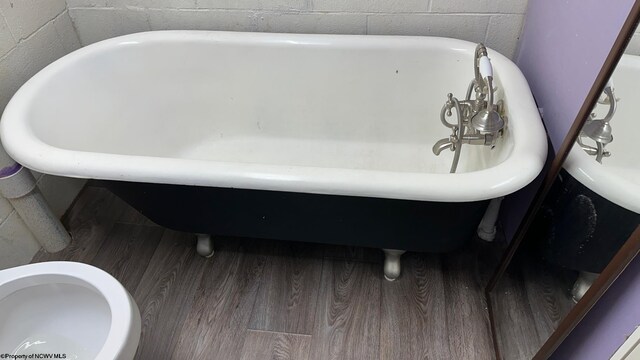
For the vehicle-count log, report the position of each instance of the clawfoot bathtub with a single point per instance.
(596, 205)
(322, 138)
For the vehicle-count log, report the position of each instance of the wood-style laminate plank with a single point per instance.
(263, 345)
(166, 293)
(413, 318)
(89, 222)
(194, 308)
(516, 331)
(127, 252)
(286, 300)
(217, 322)
(347, 325)
(548, 297)
(467, 318)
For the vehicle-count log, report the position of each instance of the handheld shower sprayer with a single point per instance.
(479, 121)
(487, 120)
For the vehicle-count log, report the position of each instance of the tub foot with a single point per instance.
(487, 228)
(392, 263)
(204, 246)
(582, 284)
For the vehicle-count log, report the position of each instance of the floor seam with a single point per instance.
(278, 332)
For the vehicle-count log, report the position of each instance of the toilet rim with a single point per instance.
(68, 272)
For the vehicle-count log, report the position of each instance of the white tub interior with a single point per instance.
(329, 114)
(284, 103)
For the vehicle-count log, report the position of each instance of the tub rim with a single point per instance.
(523, 164)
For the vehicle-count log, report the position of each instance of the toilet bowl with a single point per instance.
(72, 309)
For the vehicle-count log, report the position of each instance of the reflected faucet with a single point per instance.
(479, 121)
(599, 130)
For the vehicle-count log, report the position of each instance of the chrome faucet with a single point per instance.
(599, 130)
(479, 121)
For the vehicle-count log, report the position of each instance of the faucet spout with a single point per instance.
(443, 144)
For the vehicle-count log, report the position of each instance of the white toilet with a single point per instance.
(66, 308)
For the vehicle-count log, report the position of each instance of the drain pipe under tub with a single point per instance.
(487, 227)
(18, 185)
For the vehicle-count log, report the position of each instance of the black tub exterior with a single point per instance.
(343, 220)
(579, 229)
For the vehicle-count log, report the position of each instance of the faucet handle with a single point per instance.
(485, 67)
(481, 51)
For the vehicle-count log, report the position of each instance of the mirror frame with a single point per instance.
(623, 257)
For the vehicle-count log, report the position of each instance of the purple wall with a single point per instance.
(561, 53)
(613, 318)
(563, 47)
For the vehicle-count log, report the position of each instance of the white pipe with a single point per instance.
(487, 227)
(18, 185)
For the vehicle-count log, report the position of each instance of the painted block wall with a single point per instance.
(561, 54)
(611, 321)
(555, 39)
(33, 34)
(497, 23)
(617, 314)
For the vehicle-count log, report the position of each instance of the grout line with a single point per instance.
(8, 27)
(366, 24)
(486, 30)
(296, 11)
(43, 25)
(63, 43)
(9, 215)
(75, 28)
(33, 34)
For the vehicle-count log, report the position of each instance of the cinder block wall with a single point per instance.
(33, 33)
(497, 23)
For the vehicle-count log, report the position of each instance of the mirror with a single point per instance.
(590, 211)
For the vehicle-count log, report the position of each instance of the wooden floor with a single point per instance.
(528, 304)
(257, 299)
